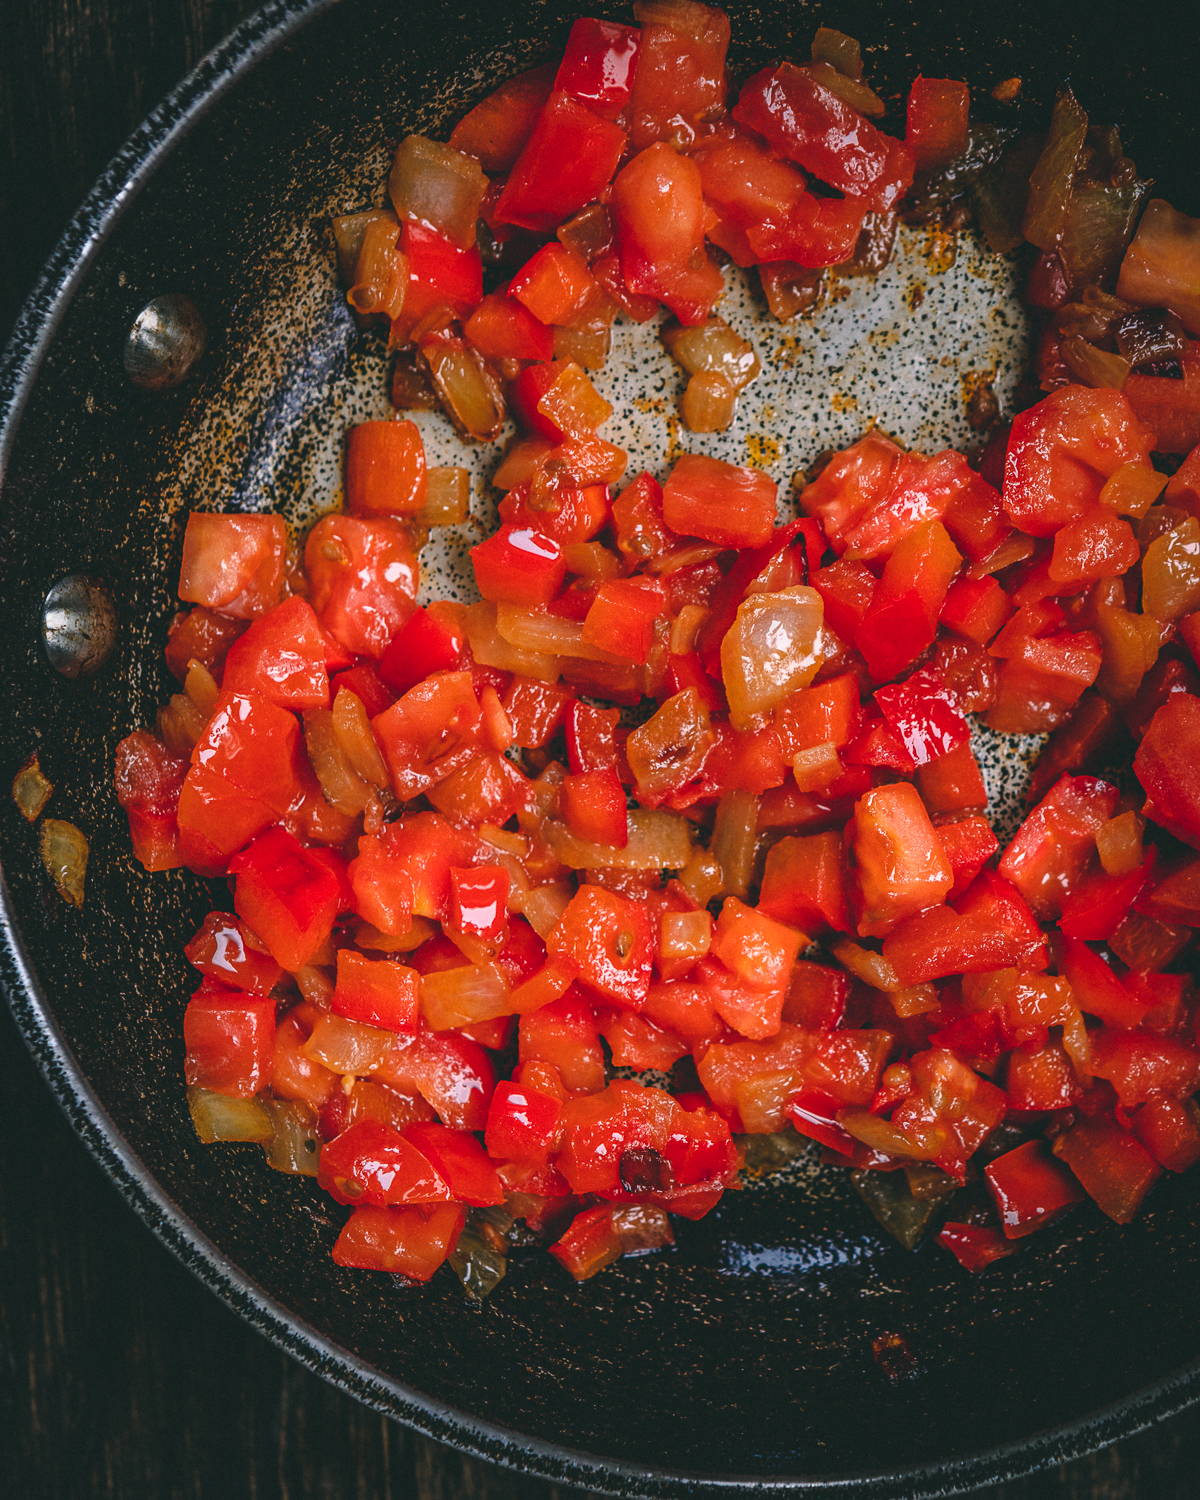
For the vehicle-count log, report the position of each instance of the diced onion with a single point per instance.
(543, 906)
(65, 856)
(1171, 573)
(345, 1046)
(31, 791)
(463, 996)
(352, 729)
(343, 788)
(447, 497)
(709, 403)
(658, 840)
(491, 649)
(772, 648)
(217, 1117)
(294, 1146)
(437, 185)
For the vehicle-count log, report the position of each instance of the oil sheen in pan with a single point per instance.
(903, 351)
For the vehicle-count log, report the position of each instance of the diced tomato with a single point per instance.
(225, 951)
(459, 1160)
(658, 212)
(202, 635)
(937, 121)
(568, 159)
(234, 563)
(1170, 1131)
(900, 865)
(1140, 1065)
(501, 327)
(593, 804)
(609, 939)
(429, 733)
(622, 615)
(760, 953)
(431, 640)
(411, 1242)
(901, 620)
(975, 608)
(229, 1039)
(1114, 1169)
(720, 502)
(1051, 850)
(974, 1246)
(364, 579)
(1030, 1189)
(1041, 1078)
(376, 992)
(281, 658)
(452, 1072)
(804, 884)
(479, 901)
(554, 286)
(1166, 764)
(497, 128)
(287, 895)
(680, 81)
(809, 124)
(149, 779)
(385, 469)
(1062, 450)
(522, 1125)
(518, 566)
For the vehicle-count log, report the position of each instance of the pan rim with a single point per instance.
(142, 155)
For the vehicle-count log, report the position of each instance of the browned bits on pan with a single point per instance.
(894, 1357)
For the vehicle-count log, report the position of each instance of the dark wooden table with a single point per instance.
(120, 1376)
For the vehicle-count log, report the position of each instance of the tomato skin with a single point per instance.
(230, 1041)
(287, 895)
(1030, 1189)
(364, 580)
(411, 1242)
(282, 658)
(233, 563)
(806, 122)
(658, 212)
(1140, 1066)
(599, 65)
(568, 159)
(1062, 450)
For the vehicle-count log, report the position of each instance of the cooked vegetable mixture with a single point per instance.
(689, 793)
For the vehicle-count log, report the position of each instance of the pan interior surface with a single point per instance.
(747, 1352)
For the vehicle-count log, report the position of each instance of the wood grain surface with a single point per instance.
(121, 1377)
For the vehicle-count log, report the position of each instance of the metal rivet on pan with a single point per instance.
(167, 338)
(79, 625)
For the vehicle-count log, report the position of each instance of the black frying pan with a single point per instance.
(745, 1356)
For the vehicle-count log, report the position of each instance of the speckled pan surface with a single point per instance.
(745, 1355)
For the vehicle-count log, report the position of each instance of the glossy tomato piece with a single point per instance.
(517, 565)
(809, 124)
(568, 159)
(719, 501)
(1051, 850)
(373, 1163)
(363, 577)
(609, 939)
(680, 80)
(599, 64)
(281, 657)
(1167, 766)
(234, 563)
(376, 992)
(223, 949)
(385, 469)
(202, 635)
(229, 1039)
(937, 121)
(658, 211)
(429, 733)
(149, 779)
(1061, 451)
(288, 895)
(460, 1160)
(900, 865)
(452, 1072)
(410, 1242)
